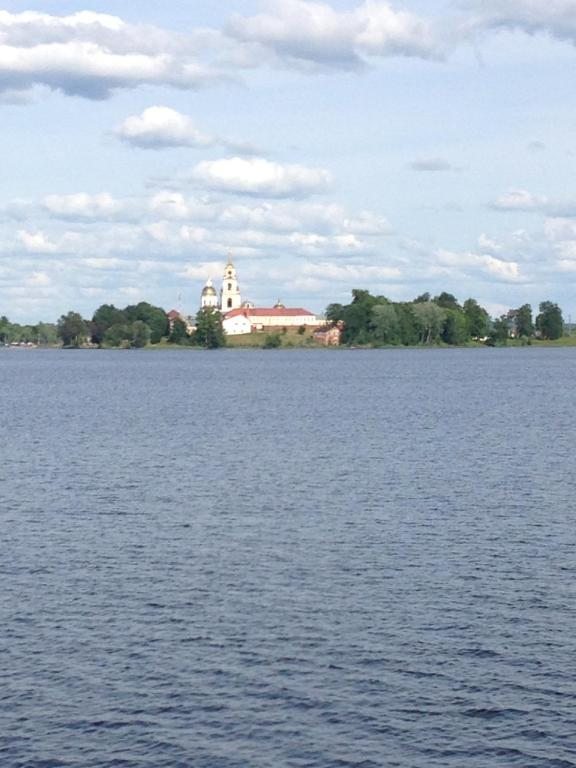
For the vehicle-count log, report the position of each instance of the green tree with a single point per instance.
(499, 332)
(409, 333)
(524, 324)
(118, 335)
(550, 322)
(477, 318)
(209, 332)
(104, 318)
(5, 330)
(334, 312)
(72, 330)
(455, 329)
(385, 324)
(140, 334)
(429, 321)
(154, 317)
(46, 333)
(446, 301)
(179, 333)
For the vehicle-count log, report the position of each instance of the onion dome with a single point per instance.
(209, 289)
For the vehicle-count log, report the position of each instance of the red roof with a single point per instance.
(272, 312)
(173, 314)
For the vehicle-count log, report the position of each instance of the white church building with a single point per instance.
(243, 317)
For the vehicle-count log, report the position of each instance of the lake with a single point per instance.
(288, 559)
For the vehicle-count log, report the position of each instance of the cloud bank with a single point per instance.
(92, 54)
(313, 33)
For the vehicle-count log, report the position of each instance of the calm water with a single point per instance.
(249, 559)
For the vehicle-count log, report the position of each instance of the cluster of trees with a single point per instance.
(135, 326)
(13, 333)
(138, 325)
(518, 323)
(440, 319)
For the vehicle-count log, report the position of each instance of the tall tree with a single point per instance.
(429, 321)
(179, 333)
(140, 333)
(478, 319)
(5, 328)
(72, 330)
(334, 312)
(385, 324)
(446, 301)
(154, 317)
(209, 332)
(550, 322)
(104, 318)
(524, 324)
(455, 329)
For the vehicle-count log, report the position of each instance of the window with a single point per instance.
(229, 303)
(229, 286)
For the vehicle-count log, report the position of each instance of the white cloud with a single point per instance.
(553, 17)
(91, 54)
(559, 230)
(38, 279)
(300, 31)
(500, 269)
(350, 273)
(505, 270)
(260, 178)
(36, 242)
(488, 245)
(159, 127)
(519, 200)
(81, 206)
(203, 270)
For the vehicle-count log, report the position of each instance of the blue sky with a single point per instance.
(326, 145)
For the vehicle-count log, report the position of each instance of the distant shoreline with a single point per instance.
(565, 342)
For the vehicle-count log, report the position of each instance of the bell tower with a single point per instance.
(230, 293)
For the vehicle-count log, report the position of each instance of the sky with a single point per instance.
(324, 146)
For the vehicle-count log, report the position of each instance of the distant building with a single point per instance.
(265, 319)
(230, 293)
(240, 317)
(174, 315)
(329, 335)
(209, 296)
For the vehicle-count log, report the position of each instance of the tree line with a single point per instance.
(366, 320)
(135, 326)
(377, 321)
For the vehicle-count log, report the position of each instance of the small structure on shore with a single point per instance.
(329, 335)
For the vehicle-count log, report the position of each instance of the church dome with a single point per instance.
(209, 289)
(279, 305)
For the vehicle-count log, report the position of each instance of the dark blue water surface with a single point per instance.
(251, 559)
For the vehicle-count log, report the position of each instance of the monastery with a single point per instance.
(243, 317)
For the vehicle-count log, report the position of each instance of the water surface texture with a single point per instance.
(268, 559)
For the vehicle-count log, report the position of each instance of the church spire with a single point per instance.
(230, 293)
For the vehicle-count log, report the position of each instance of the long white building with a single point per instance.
(243, 317)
